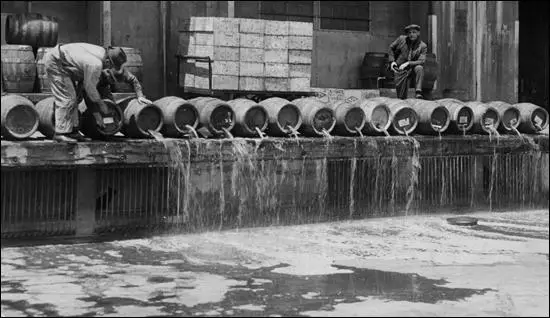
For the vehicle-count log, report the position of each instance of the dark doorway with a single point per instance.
(534, 64)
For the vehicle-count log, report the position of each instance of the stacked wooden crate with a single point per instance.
(248, 54)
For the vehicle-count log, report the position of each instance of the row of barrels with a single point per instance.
(175, 117)
(22, 70)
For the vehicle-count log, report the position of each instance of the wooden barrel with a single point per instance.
(31, 29)
(88, 122)
(433, 118)
(486, 119)
(350, 118)
(43, 80)
(375, 64)
(177, 114)
(377, 117)
(282, 114)
(18, 68)
(140, 118)
(249, 115)
(509, 116)
(404, 118)
(134, 65)
(19, 118)
(460, 114)
(46, 116)
(533, 118)
(316, 116)
(215, 114)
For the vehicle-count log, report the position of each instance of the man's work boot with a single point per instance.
(419, 95)
(64, 138)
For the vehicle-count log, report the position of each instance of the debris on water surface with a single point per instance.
(463, 221)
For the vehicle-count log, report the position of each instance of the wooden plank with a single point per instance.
(131, 152)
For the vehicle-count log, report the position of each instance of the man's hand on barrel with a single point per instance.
(144, 100)
(393, 66)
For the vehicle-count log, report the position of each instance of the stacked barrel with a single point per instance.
(30, 37)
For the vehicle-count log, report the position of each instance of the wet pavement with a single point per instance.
(409, 266)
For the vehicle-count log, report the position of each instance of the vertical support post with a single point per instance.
(516, 61)
(29, 6)
(163, 30)
(478, 191)
(480, 31)
(85, 201)
(230, 9)
(106, 34)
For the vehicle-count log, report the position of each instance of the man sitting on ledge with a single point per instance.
(407, 56)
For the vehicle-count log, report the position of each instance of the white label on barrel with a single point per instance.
(488, 121)
(463, 120)
(108, 120)
(538, 120)
(403, 122)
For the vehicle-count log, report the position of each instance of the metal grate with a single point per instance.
(38, 202)
(206, 195)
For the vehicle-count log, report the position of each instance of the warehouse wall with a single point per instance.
(137, 24)
(337, 55)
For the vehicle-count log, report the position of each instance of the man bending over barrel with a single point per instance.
(83, 63)
(407, 56)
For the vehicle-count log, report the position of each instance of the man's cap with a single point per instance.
(117, 55)
(412, 27)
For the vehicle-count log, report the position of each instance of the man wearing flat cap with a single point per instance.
(94, 68)
(407, 56)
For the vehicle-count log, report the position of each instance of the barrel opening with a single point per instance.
(112, 123)
(186, 115)
(464, 120)
(222, 117)
(21, 120)
(324, 120)
(256, 117)
(354, 119)
(490, 119)
(289, 116)
(439, 119)
(539, 118)
(149, 118)
(405, 120)
(510, 118)
(380, 117)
